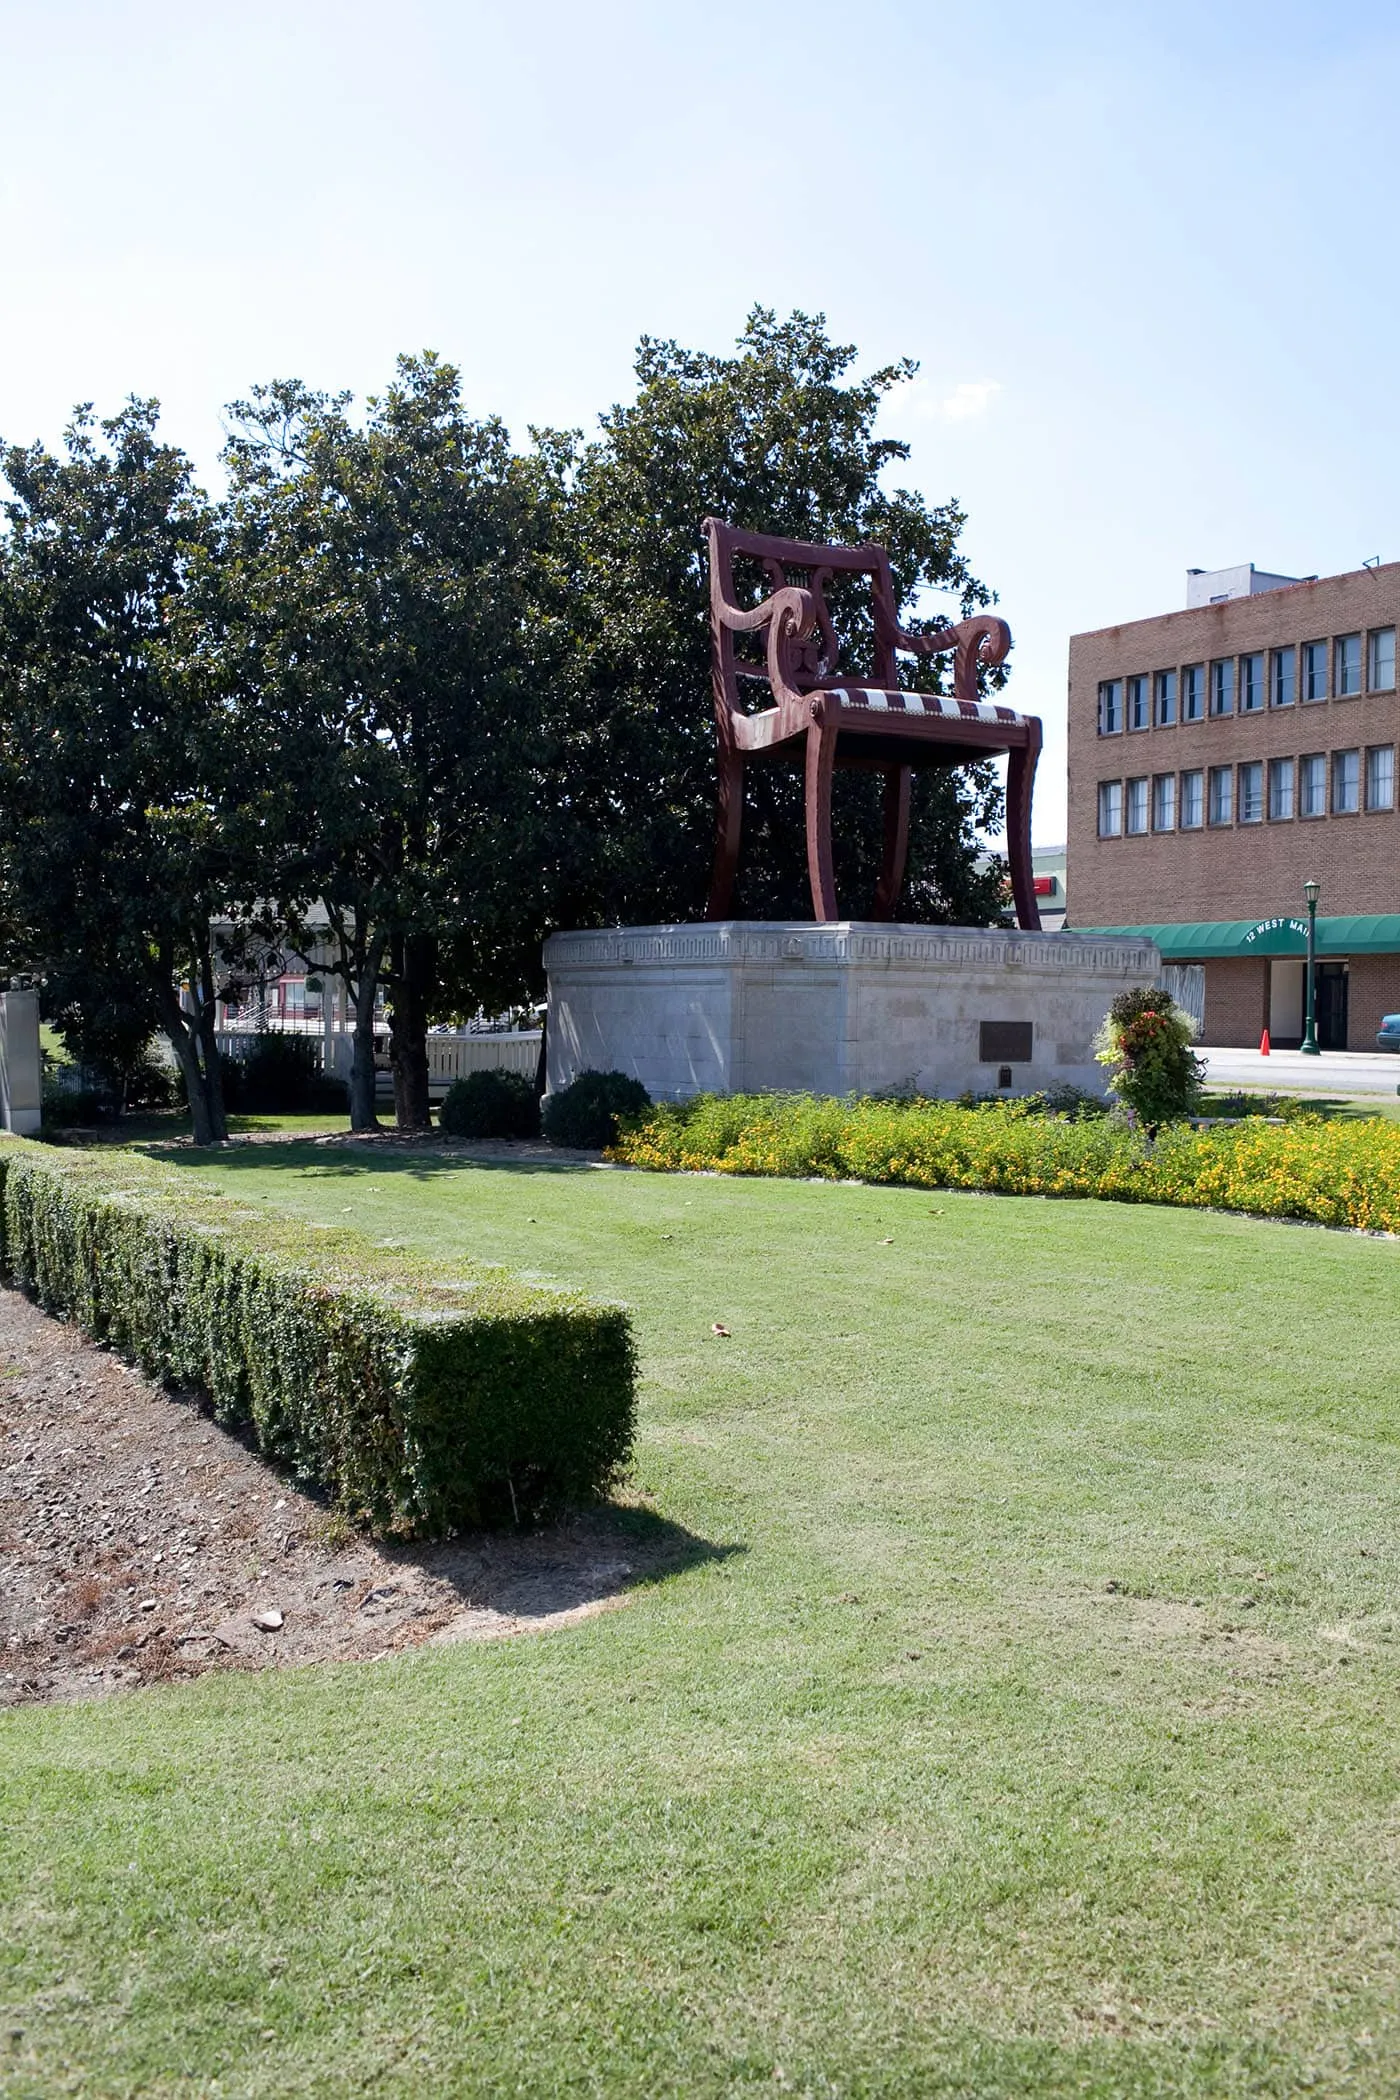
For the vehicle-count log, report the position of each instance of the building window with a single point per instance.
(1166, 699)
(1348, 666)
(1222, 793)
(1110, 808)
(1192, 805)
(1138, 715)
(1251, 683)
(1110, 707)
(1285, 677)
(1164, 802)
(1346, 783)
(1383, 660)
(1380, 777)
(1312, 785)
(1193, 692)
(1251, 791)
(1314, 670)
(1222, 687)
(1280, 789)
(1137, 805)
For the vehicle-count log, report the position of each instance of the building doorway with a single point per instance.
(1331, 1002)
(1286, 1002)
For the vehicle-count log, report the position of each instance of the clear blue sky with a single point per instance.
(1145, 254)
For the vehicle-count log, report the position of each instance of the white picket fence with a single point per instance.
(449, 1056)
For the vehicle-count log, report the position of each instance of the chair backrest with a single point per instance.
(815, 662)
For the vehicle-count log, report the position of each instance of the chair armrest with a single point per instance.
(982, 640)
(790, 615)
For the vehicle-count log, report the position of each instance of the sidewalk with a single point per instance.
(1289, 1072)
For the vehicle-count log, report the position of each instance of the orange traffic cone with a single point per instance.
(1264, 1044)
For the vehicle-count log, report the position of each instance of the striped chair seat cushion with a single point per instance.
(882, 701)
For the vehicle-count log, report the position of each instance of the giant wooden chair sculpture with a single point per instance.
(822, 717)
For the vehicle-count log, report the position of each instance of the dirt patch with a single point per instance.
(140, 1542)
(1163, 1621)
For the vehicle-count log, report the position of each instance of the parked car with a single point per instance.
(1389, 1037)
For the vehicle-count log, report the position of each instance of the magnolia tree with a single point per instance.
(120, 842)
(370, 617)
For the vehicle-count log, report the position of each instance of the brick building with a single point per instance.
(1218, 758)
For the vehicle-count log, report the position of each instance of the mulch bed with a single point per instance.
(141, 1543)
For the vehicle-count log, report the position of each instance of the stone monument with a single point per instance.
(841, 1006)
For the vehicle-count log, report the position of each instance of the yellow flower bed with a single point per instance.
(1336, 1173)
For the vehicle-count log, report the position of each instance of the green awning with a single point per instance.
(1207, 940)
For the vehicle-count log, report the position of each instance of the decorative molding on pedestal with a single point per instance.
(737, 941)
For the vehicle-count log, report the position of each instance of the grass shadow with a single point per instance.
(589, 1559)
(346, 1160)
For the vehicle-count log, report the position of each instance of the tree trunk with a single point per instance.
(359, 960)
(415, 977)
(206, 1031)
(363, 1090)
(202, 1088)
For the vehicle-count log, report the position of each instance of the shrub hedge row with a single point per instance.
(1332, 1172)
(422, 1403)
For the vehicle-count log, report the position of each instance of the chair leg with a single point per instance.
(1020, 779)
(896, 844)
(821, 756)
(728, 825)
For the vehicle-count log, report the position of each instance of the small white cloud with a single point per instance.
(972, 398)
(921, 401)
(911, 400)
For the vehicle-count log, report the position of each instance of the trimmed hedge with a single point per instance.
(422, 1403)
(1331, 1172)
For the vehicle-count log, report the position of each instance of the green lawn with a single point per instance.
(1233, 1100)
(1036, 1731)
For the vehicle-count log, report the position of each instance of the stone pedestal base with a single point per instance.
(745, 1006)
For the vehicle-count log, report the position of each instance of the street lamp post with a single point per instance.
(1308, 1045)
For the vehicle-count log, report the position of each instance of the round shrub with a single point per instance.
(495, 1104)
(585, 1114)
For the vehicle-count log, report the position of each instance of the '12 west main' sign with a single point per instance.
(1278, 937)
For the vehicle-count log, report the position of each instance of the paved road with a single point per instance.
(1288, 1072)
